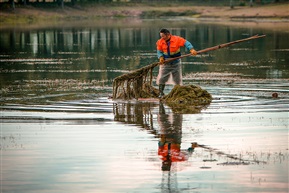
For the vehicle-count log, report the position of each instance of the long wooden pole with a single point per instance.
(136, 73)
(125, 76)
(218, 47)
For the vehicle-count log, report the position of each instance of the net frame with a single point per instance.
(136, 84)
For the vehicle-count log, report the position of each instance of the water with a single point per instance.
(60, 132)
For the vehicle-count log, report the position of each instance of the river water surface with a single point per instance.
(60, 131)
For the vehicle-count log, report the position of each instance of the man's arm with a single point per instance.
(160, 54)
(188, 45)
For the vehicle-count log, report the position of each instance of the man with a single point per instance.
(168, 46)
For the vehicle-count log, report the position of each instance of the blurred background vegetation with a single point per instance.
(48, 3)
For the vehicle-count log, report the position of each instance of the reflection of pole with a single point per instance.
(194, 145)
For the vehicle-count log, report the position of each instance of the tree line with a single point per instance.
(61, 3)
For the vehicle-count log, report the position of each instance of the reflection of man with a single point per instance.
(170, 139)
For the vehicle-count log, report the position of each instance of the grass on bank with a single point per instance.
(44, 12)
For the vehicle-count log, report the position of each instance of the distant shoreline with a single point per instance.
(23, 15)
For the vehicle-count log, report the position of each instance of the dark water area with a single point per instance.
(60, 131)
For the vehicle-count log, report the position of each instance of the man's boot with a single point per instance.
(161, 89)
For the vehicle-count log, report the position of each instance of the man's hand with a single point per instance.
(193, 52)
(162, 60)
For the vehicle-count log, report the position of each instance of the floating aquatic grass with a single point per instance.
(28, 90)
(29, 60)
(61, 71)
(212, 76)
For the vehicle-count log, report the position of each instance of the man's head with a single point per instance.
(165, 34)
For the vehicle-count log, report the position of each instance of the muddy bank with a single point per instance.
(54, 14)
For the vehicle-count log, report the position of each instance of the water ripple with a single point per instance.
(227, 98)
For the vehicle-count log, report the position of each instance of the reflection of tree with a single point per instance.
(109, 47)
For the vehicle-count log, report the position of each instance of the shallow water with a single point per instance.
(60, 132)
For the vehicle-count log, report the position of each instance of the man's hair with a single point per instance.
(165, 31)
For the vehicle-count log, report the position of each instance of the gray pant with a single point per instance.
(168, 70)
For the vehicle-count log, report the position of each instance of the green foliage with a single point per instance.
(169, 13)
